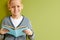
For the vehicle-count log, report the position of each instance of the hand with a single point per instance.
(28, 32)
(3, 31)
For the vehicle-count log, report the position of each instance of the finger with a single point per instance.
(4, 30)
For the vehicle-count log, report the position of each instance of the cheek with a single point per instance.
(20, 8)
(12, 10)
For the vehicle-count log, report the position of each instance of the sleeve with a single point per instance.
(31, 37)
(3, 23)
(1, 35)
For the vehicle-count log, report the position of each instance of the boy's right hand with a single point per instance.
(3, 31)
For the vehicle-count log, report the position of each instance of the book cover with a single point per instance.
(16, 31)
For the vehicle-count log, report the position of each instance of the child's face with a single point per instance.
(15, 7)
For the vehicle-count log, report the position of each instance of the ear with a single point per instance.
(22, 6)
(9, 8)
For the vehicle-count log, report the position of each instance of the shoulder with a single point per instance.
(26, 19)
(27, 22)
(5, 18)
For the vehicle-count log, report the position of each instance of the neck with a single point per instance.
(16, 16)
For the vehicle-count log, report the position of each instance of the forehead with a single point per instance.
(15, 2)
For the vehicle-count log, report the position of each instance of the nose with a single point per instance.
(15, 9)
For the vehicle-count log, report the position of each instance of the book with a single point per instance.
(15, 31)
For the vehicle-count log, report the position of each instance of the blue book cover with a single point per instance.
(16, 31)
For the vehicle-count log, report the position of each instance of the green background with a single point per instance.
(44, 16)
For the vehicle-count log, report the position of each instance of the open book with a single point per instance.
(16, 31)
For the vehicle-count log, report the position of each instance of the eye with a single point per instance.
(12, 6)
(18, 6)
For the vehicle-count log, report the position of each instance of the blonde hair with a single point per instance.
(9, 1)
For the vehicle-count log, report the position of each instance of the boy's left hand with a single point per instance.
(28, 32)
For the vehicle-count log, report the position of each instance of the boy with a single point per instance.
(15, 20)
